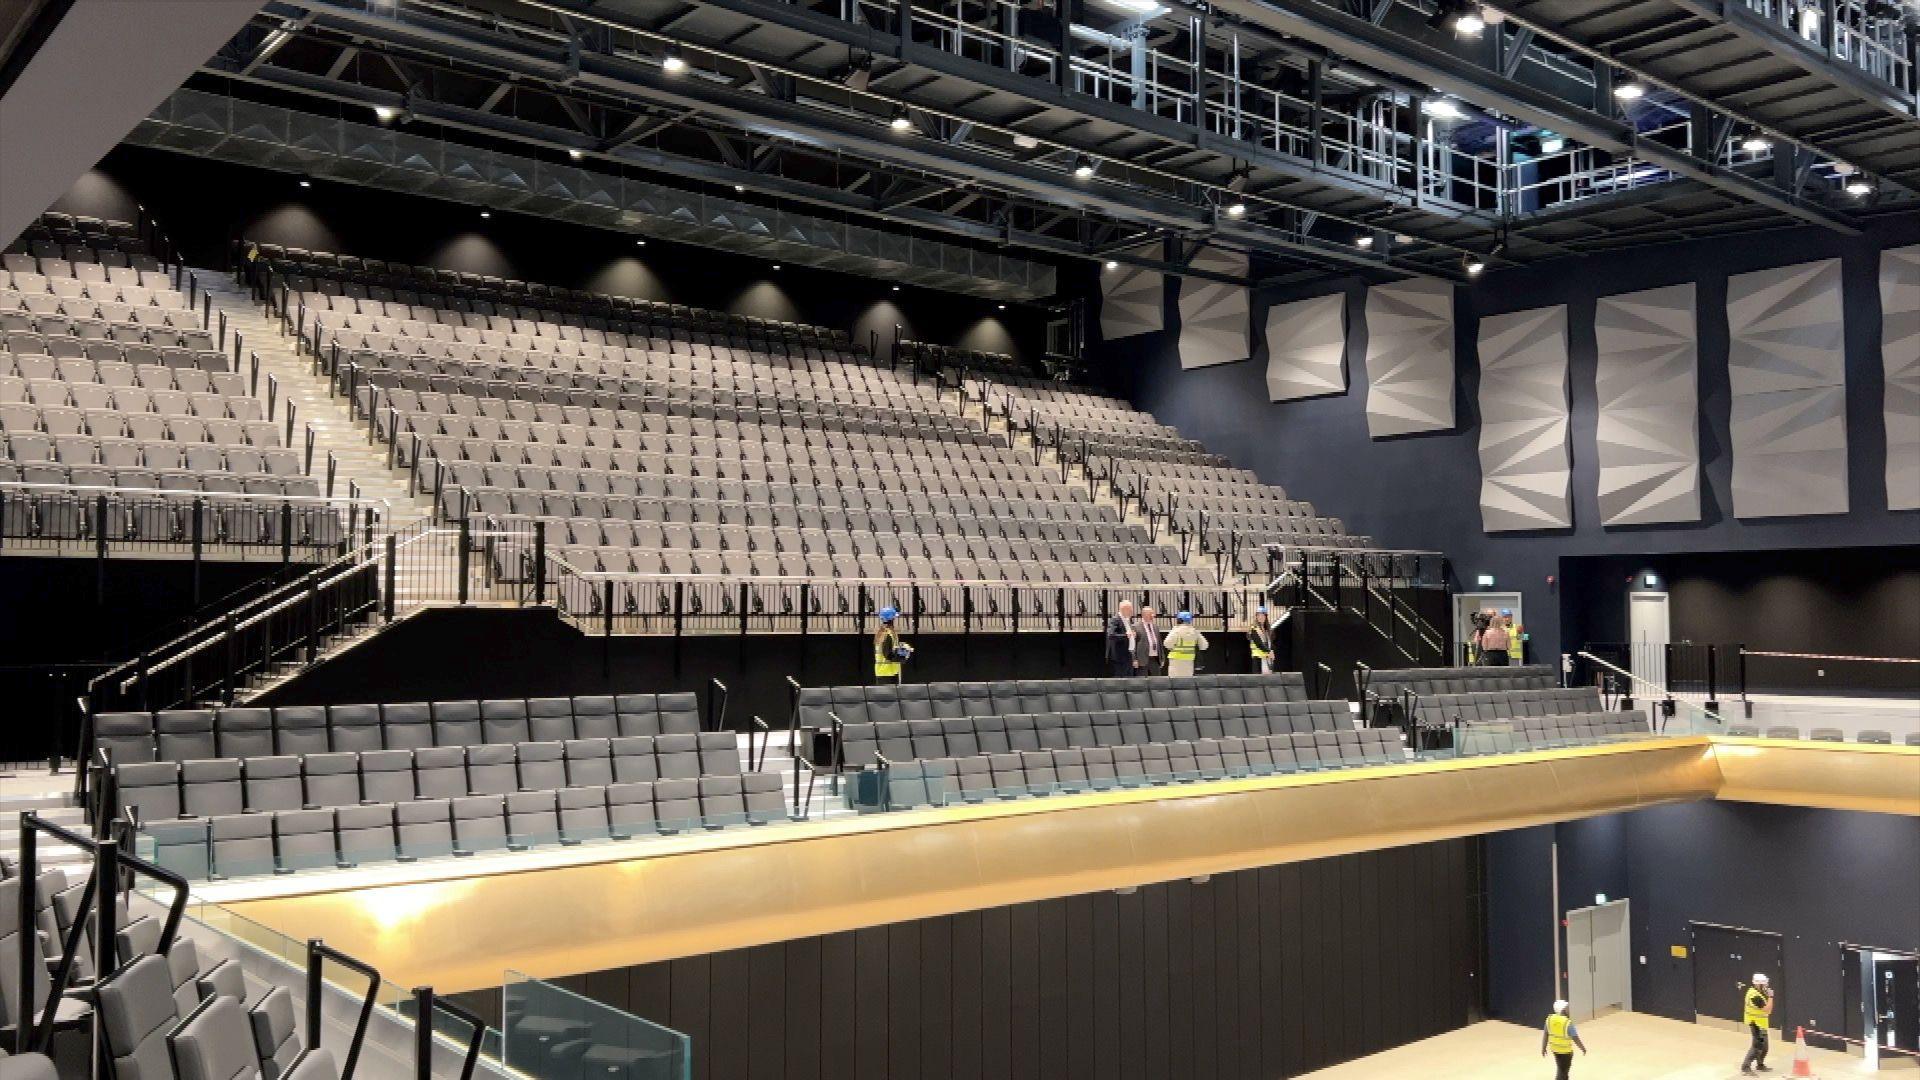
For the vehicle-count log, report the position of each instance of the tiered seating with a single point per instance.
(953, 363)
(251, 791)
(1226, 509)
(351, 278)
(110, 386)
(80, 238)
(661, 451)
(820, 707)
(1871, 736)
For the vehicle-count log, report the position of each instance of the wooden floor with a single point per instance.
(1623, 1046)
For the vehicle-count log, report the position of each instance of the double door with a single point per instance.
(1599, 961)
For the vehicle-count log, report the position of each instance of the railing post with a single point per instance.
(465, 534)
(227, 671)
(253, 378)
(392, 552)
(286, 532)
(196, 530)
(273, 396)
(1713, 679)
(606, 628)
(291, 410)
(540, 561)
(423, 1033)
(27, 931)
(236, 350)
(313, 618)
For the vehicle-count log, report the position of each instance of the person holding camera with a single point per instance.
(1756, 1008)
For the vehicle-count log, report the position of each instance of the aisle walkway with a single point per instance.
(1624, 1046)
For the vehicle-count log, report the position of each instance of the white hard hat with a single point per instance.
(1560, 1006)
(1759, 979)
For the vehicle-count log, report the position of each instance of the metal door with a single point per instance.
(1725, 959)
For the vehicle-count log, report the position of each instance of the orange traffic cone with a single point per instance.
(1802, 1064)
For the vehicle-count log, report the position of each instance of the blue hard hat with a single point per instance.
(1506, 612)
(1185, 616)
(1259, 611)
(888, 614)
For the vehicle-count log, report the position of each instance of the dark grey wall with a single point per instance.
(1817, 877)
(1258, 974)
(1422, 491)
(206, 205)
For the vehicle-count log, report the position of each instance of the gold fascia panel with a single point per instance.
(711, 894)
(1831, 776)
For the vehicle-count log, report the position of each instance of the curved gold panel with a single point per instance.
(1835, 776)
(551, 914)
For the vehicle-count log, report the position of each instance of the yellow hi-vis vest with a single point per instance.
(885, 664)
(1516, 646)
(1756, 1007)
(1559, 1037)
(1253, 643)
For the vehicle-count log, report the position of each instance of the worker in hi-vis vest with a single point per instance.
(888, 649)
(1260, 642)
(1516, 638)
(1183, 645)
(1559, 1039)
(1756, 1011)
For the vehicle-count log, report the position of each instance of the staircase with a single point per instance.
(360, 465)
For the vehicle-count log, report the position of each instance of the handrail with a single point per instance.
(1829, 656)
(225, 496)
(317, 952)
(424, 1003)
(1654, 691)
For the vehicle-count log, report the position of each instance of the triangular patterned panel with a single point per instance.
(1900, 358)
(1524, 463)
(1214, 317)
(1410, 363)
(1133, 300)
(1646, 383)
(1307, 348)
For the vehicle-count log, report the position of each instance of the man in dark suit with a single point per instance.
(1120, 641)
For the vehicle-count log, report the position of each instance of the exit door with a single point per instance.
(1599, 962)
(1880, 995)
(1648, 632)
(1725, 960)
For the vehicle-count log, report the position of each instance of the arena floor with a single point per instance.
(1623, 1046)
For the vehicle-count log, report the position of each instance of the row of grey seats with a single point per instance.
(158, 791)
(1439, 710)
(39, 513)
(1043, 772)
(105, 365)
(1821, 734)
(777, 528)
(871, 743)
(1539, 732)
(183, 427)
(1424, 682)
(252, 845)
(192, 734)
(817, 706)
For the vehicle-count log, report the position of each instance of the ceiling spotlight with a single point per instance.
(1113, 264)
(306, 183)
(1469, 24)
(1464, 19)
(896, 288)
(1025, 142)
(672, 62)
(1003, 307)
(739, 189)
(1442, 108)
(776, 266)
(1402, 238)
(484, 214)
(901, 121)
(1236, 209)
(1364, 240)
(576, 154)
(385, 113)
(1756, 143)
(1552, 144)
(1630, 91)
(1082, 167)
(1474, 265)
(1859, 188)
(639, 243)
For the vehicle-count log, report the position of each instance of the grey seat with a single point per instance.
(595, 717)
(210, 788)
(304, 838)
(1874, 735)
(479, 823)
(541, 767)
(550, 719)
(456, 723)
(137, 1011)
(272, 783)
(386, 776)
(149, 789)
(185, 734)
(357, 729)
(125, 736)
(1827, 734)
(241, 844)
(243, 733)
(406, 726)
(365, 833)
(302, 729)
(331, 779)
(424, 828)
(504, 721)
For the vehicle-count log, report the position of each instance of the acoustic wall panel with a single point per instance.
(1409, 357)
(1786, 360)
(1307, 348)
(1646, 383)
(1525, 469)
(1900, 355)
(1132, 301)
(1214, 316)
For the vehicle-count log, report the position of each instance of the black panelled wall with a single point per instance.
(1422, 491)
(1257, 974)
(207, 205)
